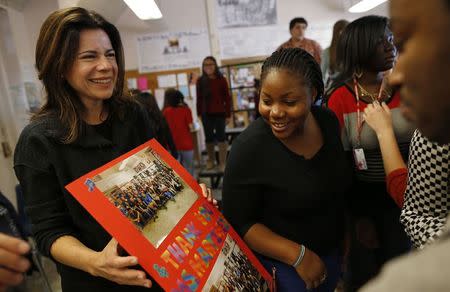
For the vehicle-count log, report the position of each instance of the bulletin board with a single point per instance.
(152, 78)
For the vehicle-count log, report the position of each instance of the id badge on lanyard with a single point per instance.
(358, 151)
(360, 158)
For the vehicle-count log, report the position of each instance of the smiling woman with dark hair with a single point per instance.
(287, 175)
(87, 121)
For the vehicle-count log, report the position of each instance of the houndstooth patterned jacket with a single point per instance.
(427, 197)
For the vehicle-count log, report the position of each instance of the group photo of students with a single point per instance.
(148, 192)
(335, 174)
(140, 198)
(234, 271)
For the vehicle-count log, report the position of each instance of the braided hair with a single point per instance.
(299, 62)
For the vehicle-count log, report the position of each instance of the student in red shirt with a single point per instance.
(179, 117)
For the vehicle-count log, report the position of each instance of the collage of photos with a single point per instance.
(148, 192)
(233, 271)
(244, 98)
(244, 75)
(244, 88)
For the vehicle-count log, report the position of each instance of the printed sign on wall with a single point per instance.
(172, 50)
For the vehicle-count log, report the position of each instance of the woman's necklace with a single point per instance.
(383, 94)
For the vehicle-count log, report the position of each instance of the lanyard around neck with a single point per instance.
(359, 120)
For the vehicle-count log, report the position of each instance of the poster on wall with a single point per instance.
(243, 13)
(154, 208)
(167, 80)
(172, 50)
(132, 83)
(142, 83)
(240, 42)
(251, 41)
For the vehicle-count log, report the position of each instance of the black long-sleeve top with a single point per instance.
(300, 199)
(44, 166)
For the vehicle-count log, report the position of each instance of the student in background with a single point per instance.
(297, 28)
(329, 63)
(179, 117)
(366, 49)
(287, 176)
(158, 123)
(214, 108)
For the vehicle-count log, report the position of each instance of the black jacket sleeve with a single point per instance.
(44, 202)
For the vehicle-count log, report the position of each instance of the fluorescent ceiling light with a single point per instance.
(365, 5)
(144, 9)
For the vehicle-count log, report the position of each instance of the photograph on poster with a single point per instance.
(148, 193)
(234, 272)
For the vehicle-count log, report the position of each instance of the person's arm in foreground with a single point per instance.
(107, 263)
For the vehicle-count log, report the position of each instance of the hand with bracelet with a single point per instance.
(310, 268)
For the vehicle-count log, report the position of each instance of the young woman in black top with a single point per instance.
(287, 176)
(87, 121)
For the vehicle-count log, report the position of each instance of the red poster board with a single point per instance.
(154, 208)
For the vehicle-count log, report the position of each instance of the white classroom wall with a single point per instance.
(17, 65)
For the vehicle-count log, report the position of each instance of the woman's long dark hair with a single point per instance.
(56, 51)
(356, 46)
